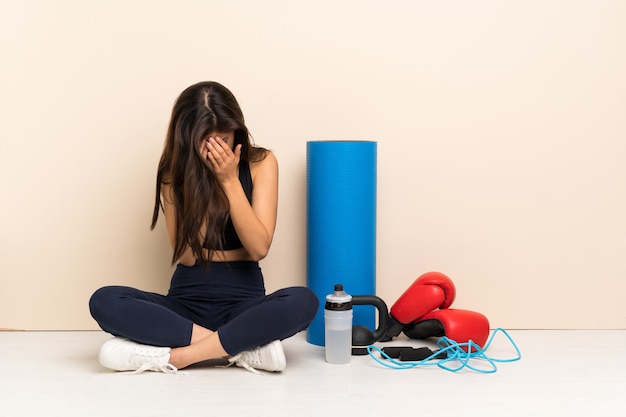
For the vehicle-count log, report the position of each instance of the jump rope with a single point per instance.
(450, 353)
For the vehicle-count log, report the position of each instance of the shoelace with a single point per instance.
(148, 361)
(167, 368)
(239, 361)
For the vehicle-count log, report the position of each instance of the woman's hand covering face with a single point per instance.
(221, 158)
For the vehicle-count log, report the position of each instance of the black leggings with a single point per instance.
(228, 298)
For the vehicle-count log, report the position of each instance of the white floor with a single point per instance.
(561, 373)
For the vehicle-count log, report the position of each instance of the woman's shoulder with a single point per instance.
(265, 158)
(266, 165)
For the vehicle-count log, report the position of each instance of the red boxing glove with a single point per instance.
(458, 325)
(430, 291)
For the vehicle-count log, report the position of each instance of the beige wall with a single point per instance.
(501, 129)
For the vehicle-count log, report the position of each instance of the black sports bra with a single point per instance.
(230, 239)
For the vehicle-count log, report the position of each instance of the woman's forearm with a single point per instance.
(253, 234)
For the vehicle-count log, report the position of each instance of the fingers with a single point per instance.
(220, 156)
(219, 148)
(215, 155)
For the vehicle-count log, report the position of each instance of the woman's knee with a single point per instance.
(306, 301)
(103, 300)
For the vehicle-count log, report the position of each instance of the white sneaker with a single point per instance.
(122, 354)
(270, 357)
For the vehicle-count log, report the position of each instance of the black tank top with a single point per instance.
(230, 239)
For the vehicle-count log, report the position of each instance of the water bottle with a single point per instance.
(338, 326)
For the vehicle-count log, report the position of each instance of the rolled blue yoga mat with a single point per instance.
(341, 225)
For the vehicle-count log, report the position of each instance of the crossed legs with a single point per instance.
(155, 320)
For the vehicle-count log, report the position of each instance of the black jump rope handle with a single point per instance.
(408, 353)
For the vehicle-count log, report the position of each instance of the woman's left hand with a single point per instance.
(223, 161)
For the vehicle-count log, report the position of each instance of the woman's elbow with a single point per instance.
(259, 251)
(259, 254)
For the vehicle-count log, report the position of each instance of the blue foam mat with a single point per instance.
(341, 225)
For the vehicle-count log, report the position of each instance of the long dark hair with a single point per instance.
(200, 109)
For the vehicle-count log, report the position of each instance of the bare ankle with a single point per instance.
(198, 333)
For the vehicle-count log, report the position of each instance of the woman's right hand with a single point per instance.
(222, 160)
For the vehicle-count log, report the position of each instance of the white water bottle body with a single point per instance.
(338, 335)
(338, 326)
